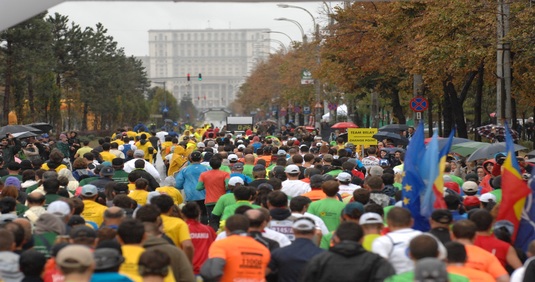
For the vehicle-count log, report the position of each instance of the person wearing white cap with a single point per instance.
(61, 209)
(372, 225)
(346, 187)
(293, 186)
(129, 166)
(488, 200)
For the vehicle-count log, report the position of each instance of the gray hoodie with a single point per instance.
(9, 267)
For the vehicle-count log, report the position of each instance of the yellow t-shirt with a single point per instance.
(131, 187)
(82, 151)
(118, 141)
(93, 211)
(131, 254)
(368, 241)
(107, 156)
(140, 196)
(176, 229)
(173, 193)
(57, 169)
(145, 149)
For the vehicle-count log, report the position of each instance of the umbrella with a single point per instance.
(532, 153)
(394, 128)
(271, 121)
(488, 152)
(467, 148)
(345, 124)
(168, 120)
(495, 132)
(24, 134)
(531, 160)
(43, 126)
(17, 128)
(309, 128)
(396, 138)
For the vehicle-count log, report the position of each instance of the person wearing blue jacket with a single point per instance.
(187, 179)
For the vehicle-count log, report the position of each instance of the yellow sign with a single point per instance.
(362, 136)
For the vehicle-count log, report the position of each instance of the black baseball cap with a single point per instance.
(442, 216)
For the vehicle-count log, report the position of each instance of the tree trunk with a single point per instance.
(8, 81)
(397, 110)
(439, 115)
(85, 111)
(430, 115)
(479, 98)
(447, 111)
(31, 100)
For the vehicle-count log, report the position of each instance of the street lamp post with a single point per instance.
(278, 41)
(280, 32)
(297, 24)
(317, 85)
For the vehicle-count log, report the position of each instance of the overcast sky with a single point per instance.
(129, 22)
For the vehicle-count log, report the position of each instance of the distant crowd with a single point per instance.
(243, 207)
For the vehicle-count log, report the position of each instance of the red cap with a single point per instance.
(471, 201)
(453, 186)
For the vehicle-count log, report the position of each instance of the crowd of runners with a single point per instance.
(224, 206)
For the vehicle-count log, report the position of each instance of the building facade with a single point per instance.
(224, 58)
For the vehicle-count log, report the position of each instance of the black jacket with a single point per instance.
(348, 261)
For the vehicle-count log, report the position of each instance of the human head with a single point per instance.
(32, 263)
(277, 199)
(131, 231)
(464, 229)
(75, 259)
(330, 188)
(237, 223)
(154, 262)
(107, 259)
(399, 217)
(456, 252)
(423, 246)
(348, 231)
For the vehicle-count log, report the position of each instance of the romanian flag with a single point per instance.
(433, 166)
(413, 183)
(526, 228)
(514, 188)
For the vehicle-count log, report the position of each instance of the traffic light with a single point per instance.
(188, 76)
(200, 77)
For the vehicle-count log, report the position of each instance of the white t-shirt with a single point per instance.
(294, 188)
(394, 248)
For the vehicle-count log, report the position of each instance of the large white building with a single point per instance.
(224, 58)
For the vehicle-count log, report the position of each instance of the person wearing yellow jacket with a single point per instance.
(146, 146)
(179, 159)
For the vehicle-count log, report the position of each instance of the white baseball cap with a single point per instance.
(235, 180)
(232, 157)
(59, 208)
(370, 218)
(200, 145)
(344, 177)
(486, 197)
(292, 169)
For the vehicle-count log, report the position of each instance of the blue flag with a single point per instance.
(413, 183)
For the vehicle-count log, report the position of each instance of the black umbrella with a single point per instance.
(43, 126)
(17, 128)
(394, 128)
(396, 138)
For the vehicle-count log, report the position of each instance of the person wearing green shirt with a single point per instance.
(248, 165)
(352, 212)
(243, 195)
(421, 247)
(330, 208)
(119, 175)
